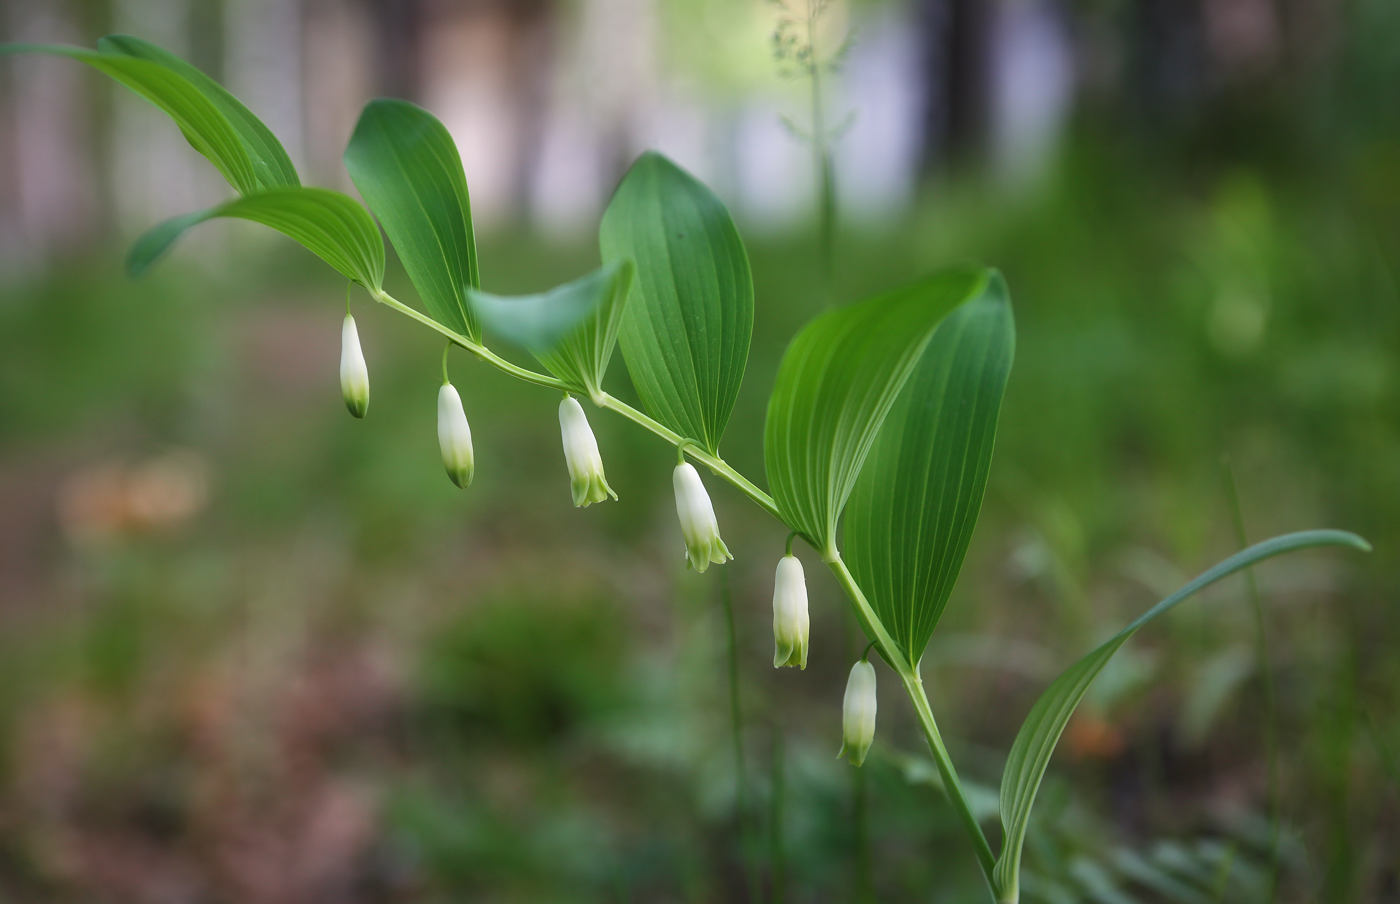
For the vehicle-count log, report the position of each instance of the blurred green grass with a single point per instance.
(396, 690)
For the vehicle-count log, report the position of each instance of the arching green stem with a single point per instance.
(869, 621)
(717, 465)
(914, 687)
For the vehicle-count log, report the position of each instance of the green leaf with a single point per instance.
(204, 125)
(1030, 754)
(571, 328)
(686, 329)
(404, 163)
(837, 381)
(914, 506)
(332, 225)
(272, 166)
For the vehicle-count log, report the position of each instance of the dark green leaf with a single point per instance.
(271, 164)
(405, 165)
(835, 385)
(571, 328)
(332, 225)
(1035, 742)
(916, 501)
(204, 125)
(686, 329)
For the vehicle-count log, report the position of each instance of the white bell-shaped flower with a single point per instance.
(790, 622)
(581, 455)
(455, 436)
(858, 713)
(697, 517)
(354, 375)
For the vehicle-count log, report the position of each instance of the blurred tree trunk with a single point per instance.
(398, 26)
(955, 73)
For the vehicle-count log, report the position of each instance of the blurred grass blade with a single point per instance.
(272, 166)
(915, 504)
(837, 381)
(404, 163)
(686, 330)
(1030, 754)
(199, 118)
(332, 225)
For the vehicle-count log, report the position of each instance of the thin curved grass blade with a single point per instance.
(915, 504)
(836, 383)
(686, 329)
(272, 167)
(407, 168)
(333, 226)
(1040, 733)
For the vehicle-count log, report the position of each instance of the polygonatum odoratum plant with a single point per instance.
(879, 431)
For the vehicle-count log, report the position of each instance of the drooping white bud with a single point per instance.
(354, 375)
(790, 622)
(581, 455)
(455, 436)
(697, 517)
(858, 713)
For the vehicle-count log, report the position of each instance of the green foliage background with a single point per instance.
(525, 702)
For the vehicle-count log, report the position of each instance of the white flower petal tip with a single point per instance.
(791, 625)
(354, 375)
(703, 545)
(858, 714)
(455, 437)
(586, 477)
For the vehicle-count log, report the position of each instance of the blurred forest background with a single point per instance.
(254, 651)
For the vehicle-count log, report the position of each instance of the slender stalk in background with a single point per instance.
(821, 149)
(778, 883)
(865, 884)
(860, 801)
(736, 724)
(1266, 665)
(803, 55)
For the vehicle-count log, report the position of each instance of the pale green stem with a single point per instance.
(717, 465)
(914, 687)
(476, 348)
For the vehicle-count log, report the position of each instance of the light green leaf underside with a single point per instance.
(406, 167)
(203, 124)
(837, 381)
(686, 328)
(1030, 754)
(271, 165)
(538, 322)
(571, 329)
(332, 225)
(915, 504)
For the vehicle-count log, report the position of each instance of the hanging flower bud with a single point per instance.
(790, 622)
(354, 376)
(455, 437)
(858, 713)
(581, 455)
(697, 516)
